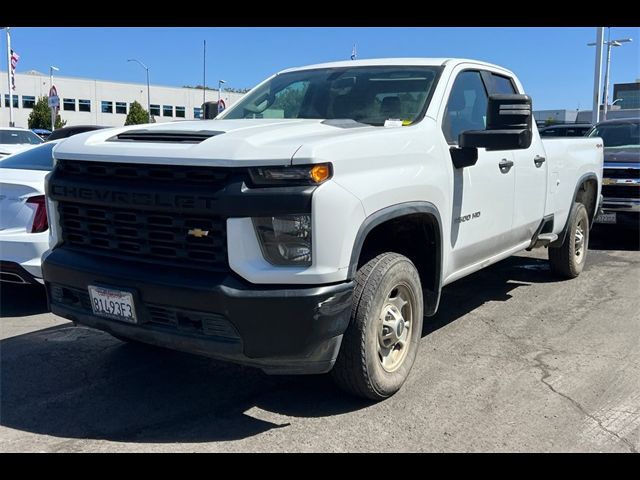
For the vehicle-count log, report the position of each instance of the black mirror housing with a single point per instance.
(509, 121)
(463, 157)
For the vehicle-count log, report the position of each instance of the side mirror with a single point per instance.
(508, 125)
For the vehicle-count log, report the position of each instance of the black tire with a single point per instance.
(359, 369)
(567, 260)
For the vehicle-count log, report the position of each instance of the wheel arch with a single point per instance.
(586, 192)
(425, 219)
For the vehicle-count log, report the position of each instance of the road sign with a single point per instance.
(221, 106)
(54, 100)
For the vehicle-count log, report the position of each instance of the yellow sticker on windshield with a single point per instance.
(406, 122)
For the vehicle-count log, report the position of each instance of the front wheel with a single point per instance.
(380, 345)
(567, 260)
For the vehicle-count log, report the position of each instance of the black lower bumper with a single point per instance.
(283, 330)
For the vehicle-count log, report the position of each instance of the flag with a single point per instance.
(353, 52)
(14, 61)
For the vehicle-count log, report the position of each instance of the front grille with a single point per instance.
(187, 321)
(184, 174)
(147, 236)
(621, 191)
(621, 173)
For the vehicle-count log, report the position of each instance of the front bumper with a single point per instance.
(281, 329)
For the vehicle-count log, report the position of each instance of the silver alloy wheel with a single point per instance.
(396, 323)
(579, 245)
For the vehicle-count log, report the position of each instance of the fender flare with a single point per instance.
(563, 234)
(396, 211)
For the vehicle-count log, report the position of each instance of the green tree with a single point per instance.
(40, 116)
(136, 115)
(549, 121)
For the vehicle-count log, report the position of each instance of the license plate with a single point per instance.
(114, 304)
(606, 218)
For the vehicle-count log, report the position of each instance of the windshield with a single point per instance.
(370, 95)
(38, 158)
(18, 137)
(618, 135)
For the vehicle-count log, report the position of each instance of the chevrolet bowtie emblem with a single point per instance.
(198, 232)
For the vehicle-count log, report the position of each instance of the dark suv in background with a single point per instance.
(621, 175)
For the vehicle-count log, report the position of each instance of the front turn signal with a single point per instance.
(320, 173)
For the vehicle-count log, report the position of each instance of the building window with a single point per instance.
(197, 112)
(28, 101)
(106, 106)
(180, 112)
(69, 104)
(167, 110)
(84, 105)
(6, 100)
(155, 110)
(121, 107)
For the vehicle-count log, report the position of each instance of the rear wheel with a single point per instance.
(381, 342)
(567, 260)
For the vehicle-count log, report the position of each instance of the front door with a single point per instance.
(483, 194)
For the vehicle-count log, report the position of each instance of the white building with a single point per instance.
(98, 102)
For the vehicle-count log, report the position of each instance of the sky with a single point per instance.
(554, 64)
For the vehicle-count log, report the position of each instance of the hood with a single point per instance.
(622, 155)
(211, 142)
(9, 148)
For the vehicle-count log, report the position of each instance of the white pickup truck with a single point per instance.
(312, 226)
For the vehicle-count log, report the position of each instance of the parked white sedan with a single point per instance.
(13, 140)
(24, 234)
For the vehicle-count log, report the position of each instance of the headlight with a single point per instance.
(288, 176)
(285, 239)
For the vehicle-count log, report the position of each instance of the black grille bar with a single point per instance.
(630, 173)
(162, 173)
(621, 191)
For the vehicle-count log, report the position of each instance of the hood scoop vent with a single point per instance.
(164, 136)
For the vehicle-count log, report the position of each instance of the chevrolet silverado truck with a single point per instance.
(621, 173)
(312, 226)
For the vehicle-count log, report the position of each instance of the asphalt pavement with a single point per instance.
(515, 360)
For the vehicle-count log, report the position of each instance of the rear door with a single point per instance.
(530, 173)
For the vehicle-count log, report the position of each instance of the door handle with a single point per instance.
(505, 165)
(538, 160)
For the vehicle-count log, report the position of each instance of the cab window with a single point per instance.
(467, 106)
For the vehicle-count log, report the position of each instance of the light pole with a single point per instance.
(53, 109)
(609, 43)
(148, 89)
(220, 82)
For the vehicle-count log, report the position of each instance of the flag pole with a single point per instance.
(204, 79)
(11, 122)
